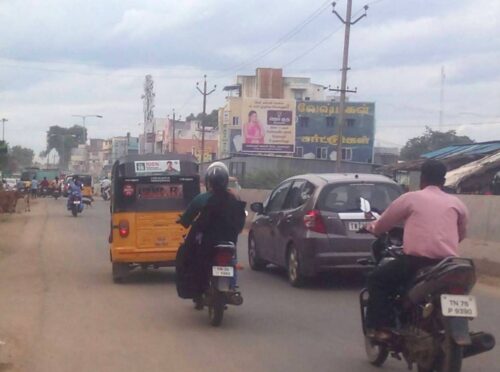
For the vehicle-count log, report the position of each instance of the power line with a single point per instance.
(300, 56)
(327, 37)
(108, 73)
(263, 53)
(444, 126)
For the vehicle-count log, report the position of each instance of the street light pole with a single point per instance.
(3, 120)
(83, 117)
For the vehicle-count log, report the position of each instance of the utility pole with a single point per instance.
(3, 120)
(173, 129)
(441, 99)
(345, 67)
(204, 93)
(149, 118)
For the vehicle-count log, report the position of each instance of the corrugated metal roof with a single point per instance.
(472, 149)
(454, 177)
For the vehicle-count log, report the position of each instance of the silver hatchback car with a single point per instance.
(309, 223)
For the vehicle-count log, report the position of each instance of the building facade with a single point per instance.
(317, 126)
(260, 112)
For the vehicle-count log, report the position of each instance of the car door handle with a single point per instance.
(289, 218)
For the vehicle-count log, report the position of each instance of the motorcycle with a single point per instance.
(75, 204)
(222, 289)
(56, 193)
(432, 313)
(106, 192)
(44, 192)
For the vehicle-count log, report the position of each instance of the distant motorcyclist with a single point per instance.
(435, 223)
(45, 183)
(215, 216)
(74, 189)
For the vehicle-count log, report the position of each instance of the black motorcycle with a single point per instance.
(432, 313)
(56, 193)
(222, 290)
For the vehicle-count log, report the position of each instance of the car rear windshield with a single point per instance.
(341, 198)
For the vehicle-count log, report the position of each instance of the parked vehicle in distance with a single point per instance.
(309, 222)
(65, 186)
(11, 183)
(234, 186)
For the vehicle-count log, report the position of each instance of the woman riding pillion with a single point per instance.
(215, 216)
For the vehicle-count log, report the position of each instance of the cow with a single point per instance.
(8, 201)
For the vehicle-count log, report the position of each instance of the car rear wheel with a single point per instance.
(256, 263)
(295, 278)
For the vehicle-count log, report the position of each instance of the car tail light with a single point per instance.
(314, 222)
(123, 228)
(223, 257)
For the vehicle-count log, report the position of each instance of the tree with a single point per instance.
(63, 140)
(22, 155)
(16, 158)
(431, 140)
(212, 119)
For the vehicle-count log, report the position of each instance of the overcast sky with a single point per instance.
(64, 57)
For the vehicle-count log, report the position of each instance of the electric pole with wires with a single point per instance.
(204, 93)
(345, 67)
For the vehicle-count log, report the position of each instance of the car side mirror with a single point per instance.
(364, 205)
(257, 208)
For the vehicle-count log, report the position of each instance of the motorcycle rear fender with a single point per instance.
(458, 329)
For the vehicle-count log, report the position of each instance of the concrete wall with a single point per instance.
(484, 217)
(292, 165)
(484, 211)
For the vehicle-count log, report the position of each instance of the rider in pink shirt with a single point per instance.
(434, 224)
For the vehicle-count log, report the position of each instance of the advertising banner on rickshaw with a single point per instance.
(157, 166)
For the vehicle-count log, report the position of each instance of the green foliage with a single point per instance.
(212, 119)
(431, 140)
(63, 140)
(16, 158)
(266, 179)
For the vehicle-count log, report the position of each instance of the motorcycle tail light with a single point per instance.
(123, 228)
(459, 282)
(223, 257)
(314, 222)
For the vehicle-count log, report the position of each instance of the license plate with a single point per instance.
(223, 271)
(461, 306)
(355, 226)
(76, 202)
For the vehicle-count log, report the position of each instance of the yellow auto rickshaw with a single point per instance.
(149, 192)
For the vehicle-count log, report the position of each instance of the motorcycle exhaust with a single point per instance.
(481, 342)
(235, 299)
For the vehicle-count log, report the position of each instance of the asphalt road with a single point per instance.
(60, 311)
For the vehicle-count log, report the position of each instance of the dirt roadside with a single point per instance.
(21, 284)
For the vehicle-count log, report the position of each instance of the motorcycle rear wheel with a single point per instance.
(216, 310)
(449, 358)
(74, 211)
(377, 354)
